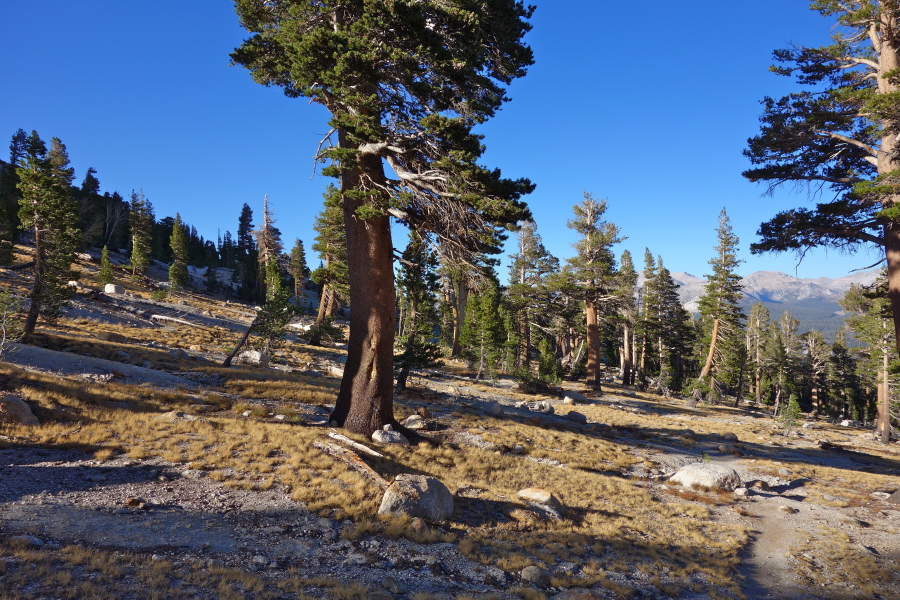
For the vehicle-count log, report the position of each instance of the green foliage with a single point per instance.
(48, 210)
(178, 273)
(417, 285)
(272, 319)
(482, 333)
(298, 267)
(790, 416)
(331, 245)
(550, 368)
(105, 275)
(10, 325)
(326, 330)
(141, 219)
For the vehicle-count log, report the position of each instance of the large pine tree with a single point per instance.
(592, 274)
(141, 219)
(48, 210)
(405, 83)
(841, 131)
(720, 312)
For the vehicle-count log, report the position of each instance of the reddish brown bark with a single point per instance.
(365, 401)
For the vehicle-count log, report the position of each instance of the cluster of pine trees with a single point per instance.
(38, 200)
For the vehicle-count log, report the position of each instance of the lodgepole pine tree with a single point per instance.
(405, 83)
(841, 131)
(331, 244)
(10, 197)
(592, 274)
(298, 267)
(720, 313)
(141, 219)
(105, 275)
(178, 273)
(48, 210)
(871, 323)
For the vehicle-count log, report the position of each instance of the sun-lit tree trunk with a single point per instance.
(365, 401)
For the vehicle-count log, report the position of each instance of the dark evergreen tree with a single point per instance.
(49, 212)
(844, 387)
(246, 254)
(141, 220)
(269, 248)
(592, 274)
(92, 210)
(720, 311)
(178, 273)
(405, 84)
(417, 286)
(10, 196)
(331, 245)
(482, 333)
(871, 323)
(626, 302)
(298, 268)
(105, 275)
(528, 294)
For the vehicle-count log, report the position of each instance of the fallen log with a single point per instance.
(352, 460)
(356, 446)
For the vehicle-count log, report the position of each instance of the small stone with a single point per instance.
(424, 413)
(881, 495)
(846, 423)
(419, 526)
(111, 288)
(761, 486)
(389, 437)
(807, 425)
(333, 423)
(787, 509)
(730, 437)
(260, 560)
(414, 422)
(388, 427)
(452, 390)
(535, 575)
(541, 497)
(135, 502)
(542, 406)
(726, 448)
(280, 417)
(741, 492)
(517, 449)
(246, 413)
(195, 348)
(178, 354)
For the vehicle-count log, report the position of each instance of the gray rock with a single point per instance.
(15, 412)
(178, 353)
(894, 498)
(254, 358)
(260, 560)
(122, 355)
(417, 496)
(726, 448)
(536, 575)
(494, 409)
(708, 476)
(111, 288)
(414, 422)
(389, 437)
(577, 417)
(574, 398)
(111, 336)
(543, 406)
(542, 499)
(392, 585)
(741, 492)
(730, 437)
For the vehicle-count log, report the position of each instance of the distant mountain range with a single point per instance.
(813, 302)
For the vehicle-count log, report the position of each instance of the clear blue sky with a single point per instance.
(648, 105)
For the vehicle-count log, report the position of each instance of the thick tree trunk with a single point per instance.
(593, 346)
(365, 401)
